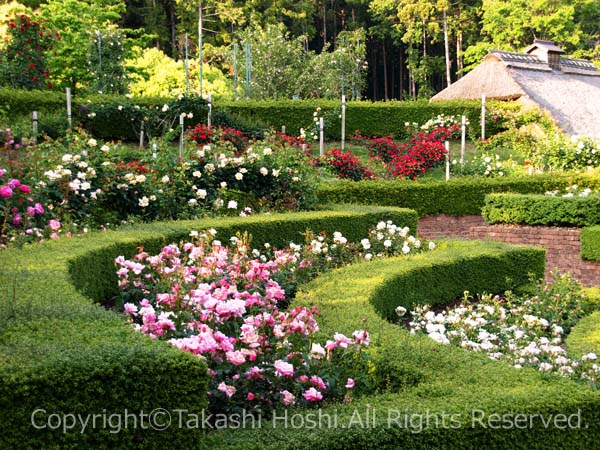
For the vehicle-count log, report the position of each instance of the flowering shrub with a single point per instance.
(20, 214)
(486, 165)
(450, 124)
(422, 152)
(560, 152)
(224, 303)
(383, 147)
(346, 165)
(23, 64)
(523, 331)
(573, 191)
(201, 134)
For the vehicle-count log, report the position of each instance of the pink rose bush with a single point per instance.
(21, 215)
(226, 304)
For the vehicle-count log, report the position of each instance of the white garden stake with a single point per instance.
(321, 136)
(181, 136)
(447, 145)
(35, 126)
(343, 121)
(282, 129)
(142, 134)
(463, 140)
(209, 121)
(483, 117)
(69, 106)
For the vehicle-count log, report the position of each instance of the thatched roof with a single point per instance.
(570, 92)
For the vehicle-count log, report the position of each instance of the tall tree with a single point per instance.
(77, 21)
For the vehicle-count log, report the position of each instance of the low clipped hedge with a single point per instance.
(458, 196)
(61, 353)
(590, 243)
(427, 381)
(585, 336)
(541, 210)
(371, 118)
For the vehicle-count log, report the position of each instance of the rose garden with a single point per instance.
(250, 271)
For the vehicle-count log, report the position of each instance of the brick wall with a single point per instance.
(561, 243)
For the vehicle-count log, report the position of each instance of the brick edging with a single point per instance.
(562, 244)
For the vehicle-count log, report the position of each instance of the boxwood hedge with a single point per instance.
(437, 396)
(541, 210)
(379, 118)
(458, 196)
(590, 243)
(61, 353)
(585, 336)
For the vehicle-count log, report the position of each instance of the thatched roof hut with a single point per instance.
(569, 89)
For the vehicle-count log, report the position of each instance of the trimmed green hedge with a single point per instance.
(541, 210)
(459, 196)
(371, 118)
(590, 243)
(585, 336)
(62, 354)
(425, 379)
(379, 118)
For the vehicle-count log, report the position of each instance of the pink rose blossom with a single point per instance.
(38, 208)
(25, 189)
(250, 396)
(17, 219)
(228, 390)
(361, 337)
(350, 383)
(130, 309)
(54, 224)
(6, 192)
(30, 211)
(14, 183)
(283, 369)
(287, 398)
(236, 358)
(312, 395)
(54, 236)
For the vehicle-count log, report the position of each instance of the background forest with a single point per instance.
(377, 49)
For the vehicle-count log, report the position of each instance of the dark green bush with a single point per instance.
(117, 117)
(425, 379)
(590, 243)
(380, 118)
(457, 197)
(541, 210)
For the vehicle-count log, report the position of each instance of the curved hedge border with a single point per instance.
(457, 197)
(590, 243)
(541, 210)
(585, 336)
(64, 354)
(425, 378)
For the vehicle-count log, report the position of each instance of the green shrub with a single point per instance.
(590, 243)
(585, 336)
(459, 196)
(62, 353)
(541, 210)
(425, 379)
(381, 118)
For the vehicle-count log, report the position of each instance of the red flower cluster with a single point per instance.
(236, 137)
(422, 152)
(131, 166)
(290, 141)
(347, 165)
(201, 134)
(380, 147)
